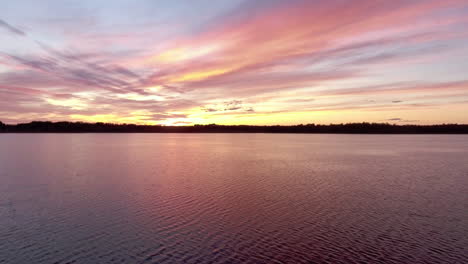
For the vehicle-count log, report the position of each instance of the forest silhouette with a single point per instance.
(350, 128)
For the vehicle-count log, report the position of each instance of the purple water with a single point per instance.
(233, 198)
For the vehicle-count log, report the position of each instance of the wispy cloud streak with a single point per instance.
(11, 28)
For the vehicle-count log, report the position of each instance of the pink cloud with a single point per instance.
(261, 48)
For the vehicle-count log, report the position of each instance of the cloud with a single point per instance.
(74, 70)
(260, 58)
(402, 120)
(11, 28)
(401, 88)
(163, 116)
(228, 106)
(251, 50)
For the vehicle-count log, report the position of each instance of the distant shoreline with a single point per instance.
(351, 128)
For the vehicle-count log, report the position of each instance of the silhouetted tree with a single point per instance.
(353, 128)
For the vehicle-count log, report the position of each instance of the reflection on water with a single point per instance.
(233, 198)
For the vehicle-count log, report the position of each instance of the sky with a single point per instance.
(262, 62)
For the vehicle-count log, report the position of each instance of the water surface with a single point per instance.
(233, 198)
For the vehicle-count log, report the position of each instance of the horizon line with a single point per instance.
(403, 123)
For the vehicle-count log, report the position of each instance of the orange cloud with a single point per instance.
(279, 56)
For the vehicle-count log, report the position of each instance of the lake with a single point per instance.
(233, 198)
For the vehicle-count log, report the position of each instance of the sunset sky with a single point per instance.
(182, 62)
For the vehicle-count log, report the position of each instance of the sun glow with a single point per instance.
(181, 54)
(154, 89)
(74, 103)
(197, 76)
(139, 97)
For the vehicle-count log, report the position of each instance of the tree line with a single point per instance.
(349, 128)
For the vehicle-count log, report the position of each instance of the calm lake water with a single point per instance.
(233, 198)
